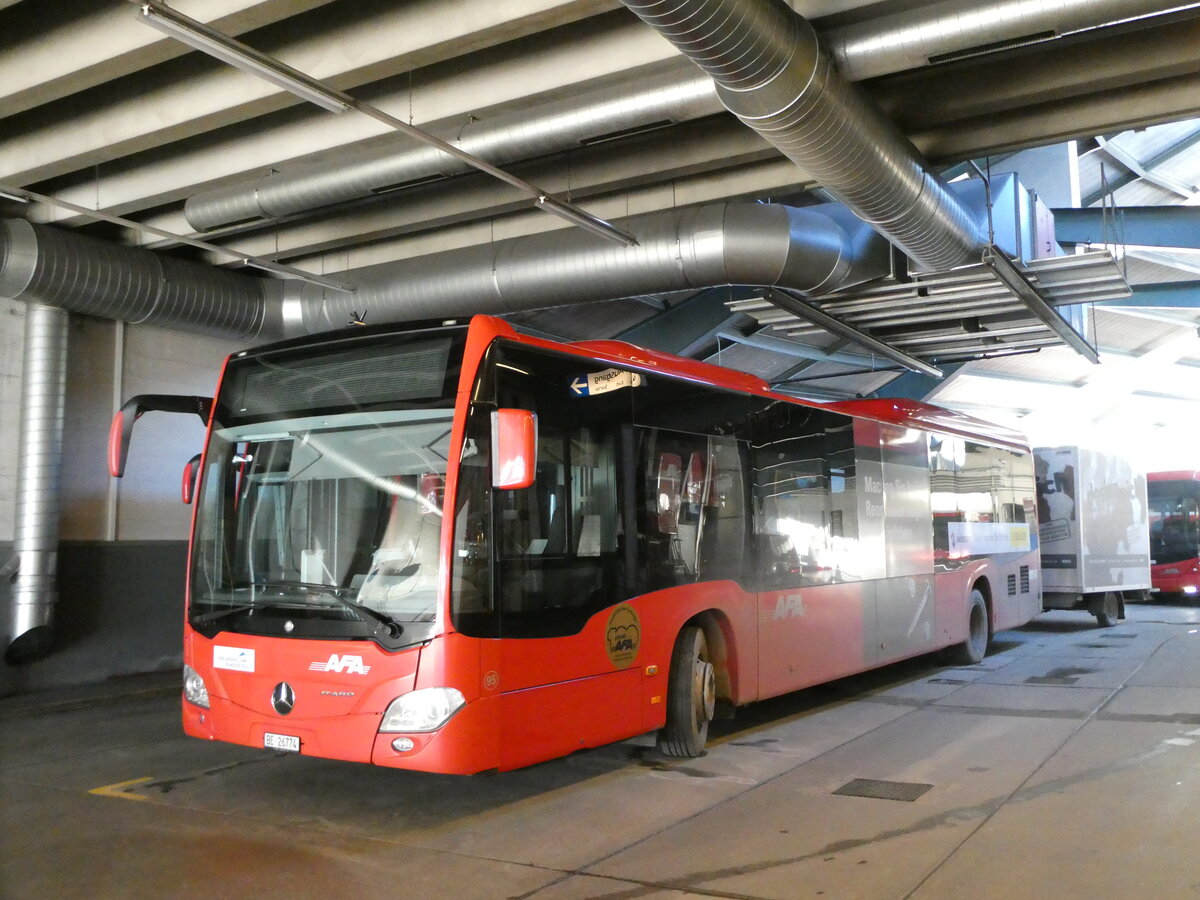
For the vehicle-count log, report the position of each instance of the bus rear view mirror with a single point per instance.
(191, 472)
(121, 431)
(514, 448)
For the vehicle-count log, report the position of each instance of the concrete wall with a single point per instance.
(124, 543)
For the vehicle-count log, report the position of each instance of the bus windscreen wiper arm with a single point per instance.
(391, 627)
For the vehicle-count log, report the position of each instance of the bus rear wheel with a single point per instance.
(691, 696)
(974, 648)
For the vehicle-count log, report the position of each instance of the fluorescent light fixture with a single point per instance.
(235, 53)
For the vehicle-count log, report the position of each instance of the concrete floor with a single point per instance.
(1066, 765)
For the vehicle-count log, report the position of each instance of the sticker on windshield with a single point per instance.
(623, 636)
(238, 659)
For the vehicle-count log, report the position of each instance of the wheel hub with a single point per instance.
(705, 689)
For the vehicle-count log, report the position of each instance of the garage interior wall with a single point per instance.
(123, 543)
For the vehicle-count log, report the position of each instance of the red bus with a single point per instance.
(452, 547)
(1174, 500)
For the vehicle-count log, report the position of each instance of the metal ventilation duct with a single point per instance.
(56, 271)
(722, 243)
(674, 96)
(955, 29)
(39, 460)
(98, 278)
(771, 74)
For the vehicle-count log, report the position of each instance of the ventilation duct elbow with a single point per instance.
(97, 278)
(771, 74)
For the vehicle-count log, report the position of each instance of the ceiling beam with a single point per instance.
(358, 47)
(55, 48)
(1151, 226)
(1181, 294)
(1084, 85)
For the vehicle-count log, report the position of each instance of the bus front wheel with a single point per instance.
(691, 696)
(974, 648)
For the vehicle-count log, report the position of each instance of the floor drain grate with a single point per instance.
(1067, 675)
(883, 790)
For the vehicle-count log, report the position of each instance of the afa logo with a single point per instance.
(623, 636)
(349, 664)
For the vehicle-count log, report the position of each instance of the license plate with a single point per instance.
(288, 742)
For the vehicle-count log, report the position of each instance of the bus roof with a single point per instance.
(915, 414)
(904, 412)
(1179, 475)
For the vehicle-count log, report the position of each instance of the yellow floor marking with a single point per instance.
(121, 790)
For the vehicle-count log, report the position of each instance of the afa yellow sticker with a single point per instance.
(623, 636)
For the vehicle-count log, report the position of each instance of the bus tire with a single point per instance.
(1109, 611)
(691, 696)
(974, 648)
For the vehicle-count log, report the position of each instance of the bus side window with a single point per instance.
(668, 492)
(692, 518)
(805, 521)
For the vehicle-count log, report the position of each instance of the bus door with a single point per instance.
(564, 667)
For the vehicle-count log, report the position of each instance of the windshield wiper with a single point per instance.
(390, 627)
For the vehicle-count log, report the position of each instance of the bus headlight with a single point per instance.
(425, 710)
(194, 689)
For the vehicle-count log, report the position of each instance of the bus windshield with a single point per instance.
(302, 515)
(1174, 520)
(320, 509)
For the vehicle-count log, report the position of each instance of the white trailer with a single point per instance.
(1092, 529)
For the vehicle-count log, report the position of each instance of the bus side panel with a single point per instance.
(652, 620)
(610, 681)
(541, 723)
(812, 635)
(1012, 609)
(905, 615)
(722, 606)
(951, 590)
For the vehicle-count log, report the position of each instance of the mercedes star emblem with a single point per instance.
(283, 698)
